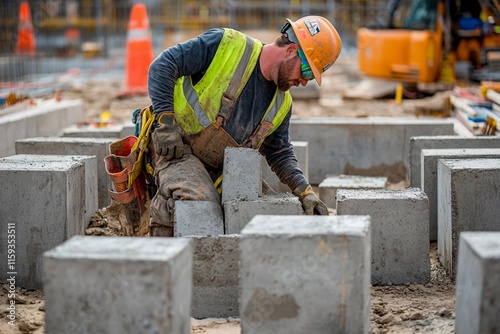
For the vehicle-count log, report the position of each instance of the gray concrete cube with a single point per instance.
(74, 146)
(215, 276)
(48, 117)
(400, 232)
(112, 131)
(238, 213)
(118, 285)
(468, 200)
(301, 151)
(305, 274)
(329, 186)
(417, 144)
(477, 290)
(90, 171)
(242, 174)
(429, 159)
(373, 146)
(198, 218)
(44, 202)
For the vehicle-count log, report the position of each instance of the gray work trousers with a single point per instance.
(184, 179)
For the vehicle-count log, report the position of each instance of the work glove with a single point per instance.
(310, 202)
(167, 138)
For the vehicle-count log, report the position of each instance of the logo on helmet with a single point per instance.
(313, 27)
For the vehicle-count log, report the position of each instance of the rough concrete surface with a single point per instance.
(131, 285)
(215, 276)
(478, 290)
(400, 232)
(458, 211)
(42, 204)
(305, 274)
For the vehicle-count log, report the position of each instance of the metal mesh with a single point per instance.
(66, 29)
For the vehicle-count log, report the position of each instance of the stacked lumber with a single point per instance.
(468, 109)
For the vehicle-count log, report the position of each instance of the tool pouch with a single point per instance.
(209, 145)
(119, 165)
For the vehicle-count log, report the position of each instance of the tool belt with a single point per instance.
(128, 164)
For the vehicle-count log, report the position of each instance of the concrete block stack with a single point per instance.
(242, 196)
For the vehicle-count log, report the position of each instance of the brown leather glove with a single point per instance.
(310, 202)
(166, 137)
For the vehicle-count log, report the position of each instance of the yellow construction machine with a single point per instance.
(423, 41)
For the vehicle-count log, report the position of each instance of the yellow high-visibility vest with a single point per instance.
(197, 106)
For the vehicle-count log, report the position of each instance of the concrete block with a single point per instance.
(198, 218)
(215, 276)
(128, 129)
(90, 180)
(468, 200)
(329, 186)
(74, 146)
(418, 143)
(47, 117)
(400, 232)
(478, 291)
(242, 174)
(111, 131)
(429, 159)
(238, 213)
(44, 203)
(305, 274)
(118, 285)
(373, 146)
(301, 152)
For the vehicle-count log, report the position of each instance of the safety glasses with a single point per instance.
(305, 68)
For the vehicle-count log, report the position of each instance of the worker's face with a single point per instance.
(289, 72)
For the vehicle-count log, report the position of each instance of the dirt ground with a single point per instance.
(410, 308)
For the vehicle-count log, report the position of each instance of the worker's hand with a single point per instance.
(310, 202)
(167, 138)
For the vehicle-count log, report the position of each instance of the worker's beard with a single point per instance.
(284, 82)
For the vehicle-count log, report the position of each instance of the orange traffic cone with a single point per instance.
(25, 35)
(139, 52)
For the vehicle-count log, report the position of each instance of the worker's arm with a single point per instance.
(188, 58)
(280, 156)
(278, 150)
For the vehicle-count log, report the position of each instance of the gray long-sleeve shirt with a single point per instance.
(193, 58)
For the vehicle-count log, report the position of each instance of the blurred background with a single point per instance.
(71, 33)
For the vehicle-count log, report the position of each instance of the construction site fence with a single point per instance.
(66, 30)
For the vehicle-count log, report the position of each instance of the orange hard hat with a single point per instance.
(318, 39)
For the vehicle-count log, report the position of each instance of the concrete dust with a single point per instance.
(112, 221)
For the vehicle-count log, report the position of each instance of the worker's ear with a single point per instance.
(291, 50)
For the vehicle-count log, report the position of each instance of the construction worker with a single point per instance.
(226, 89)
